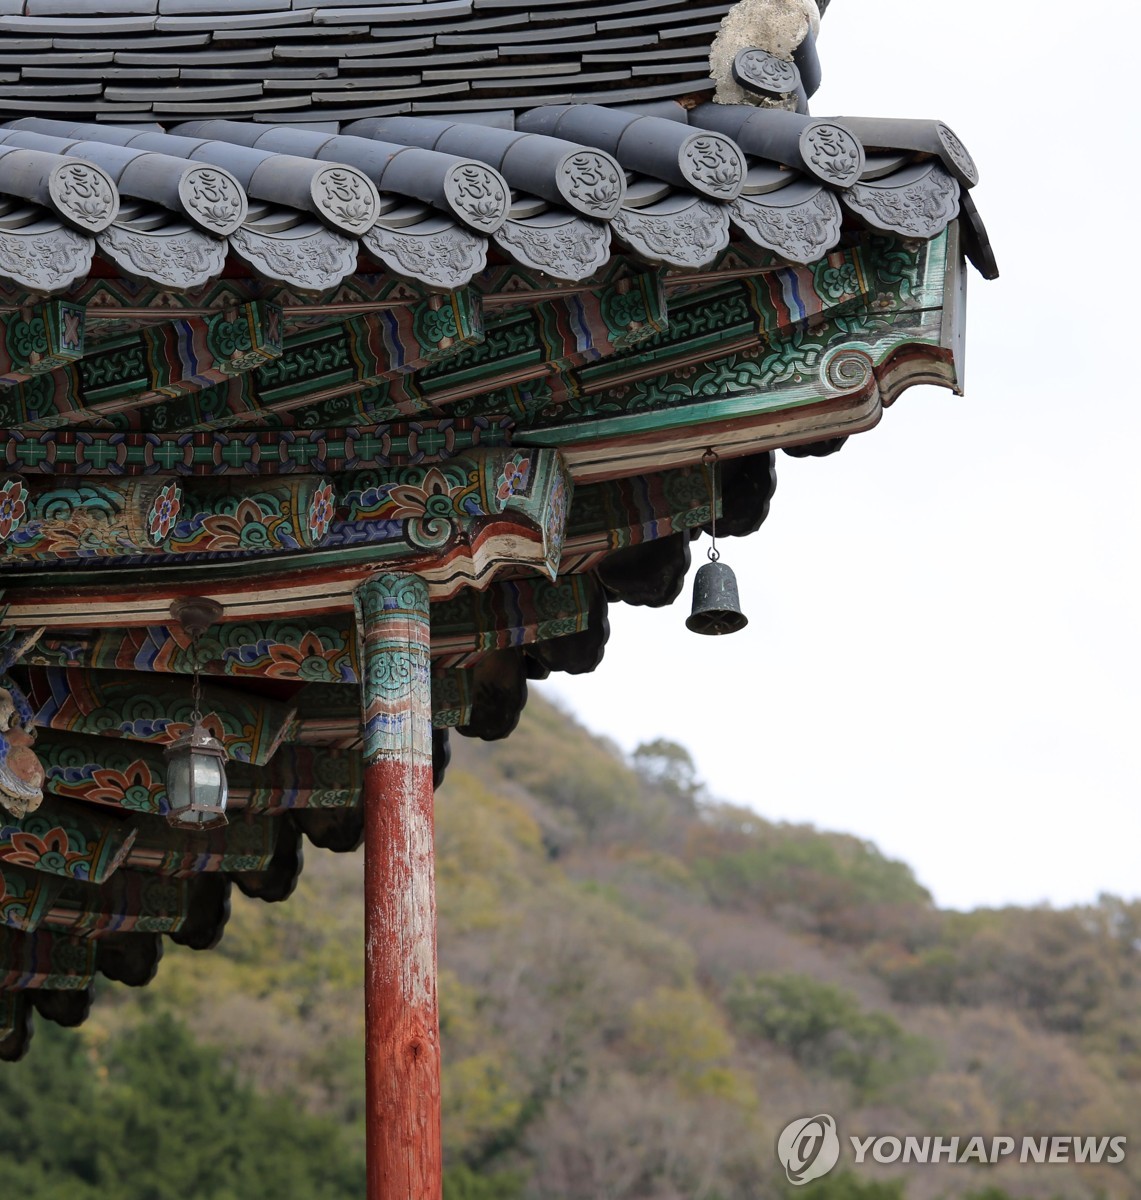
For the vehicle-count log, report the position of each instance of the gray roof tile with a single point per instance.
(456, 110)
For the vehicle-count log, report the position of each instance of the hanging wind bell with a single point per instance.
(716, 608)
(196, 785)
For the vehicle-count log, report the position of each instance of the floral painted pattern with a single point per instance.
(515, 477)
(50, 852)
(164, 512)
(13, 507)
(135, 789)
(310, 659)
(321, 509)
(434, 497)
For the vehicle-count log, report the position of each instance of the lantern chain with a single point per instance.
(195, 657)
(710, 462)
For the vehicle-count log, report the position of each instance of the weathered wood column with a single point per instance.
(402, 1026)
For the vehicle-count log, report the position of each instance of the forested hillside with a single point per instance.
(639, 986)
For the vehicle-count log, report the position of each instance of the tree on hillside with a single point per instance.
(157, 1117)
(670, 768)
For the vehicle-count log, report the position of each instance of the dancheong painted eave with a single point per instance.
(301, 302)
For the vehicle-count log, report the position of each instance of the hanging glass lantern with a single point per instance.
(196, 786)
(716, 608)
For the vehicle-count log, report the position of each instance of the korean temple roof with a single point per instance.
(429, 198)
(316, 60)
(293, 293)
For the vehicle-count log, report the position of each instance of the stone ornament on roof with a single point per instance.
(774, 30)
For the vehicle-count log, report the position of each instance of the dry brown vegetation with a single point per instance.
(640, 987)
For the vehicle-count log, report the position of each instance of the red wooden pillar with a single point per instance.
(402, 1026)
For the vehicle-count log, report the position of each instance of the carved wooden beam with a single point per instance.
(131, 776)
(358, 370)
(167, 518)
(331, 716)
(112, 704)
(526, 343)
(456, 524)
(175, 519)
(26, 896)
(604, 517)
(68, 840)
(722, 315)
(130, 901)
(196, 371)
(45, 960)
(40, 339)
(176, 357)
(513, 613)
(813, 380)
(247, 452)
(247, 843)
(181, 357)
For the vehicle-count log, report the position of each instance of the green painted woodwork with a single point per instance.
(249, 452)
(336, 372)
(131, 776)
(44, 960)
(39, 339)
(26, 896)
(129, 902)
(530, 343)
(143, 376)
(875, 305)
(299, 777)
(473, 514)
(509, 613)
(396, 690)
(247, 843)
(331, 715)
(277, 454)
(105, 771)
(65, 839)
(512, 613)
(112, 704)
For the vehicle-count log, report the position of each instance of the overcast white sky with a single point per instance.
(943, 653)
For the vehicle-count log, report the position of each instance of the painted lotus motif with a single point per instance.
(13, 507)
(164, 512)
(135, 788)
(434, 497)
(321, 509)
(309, 659)
(50, 852)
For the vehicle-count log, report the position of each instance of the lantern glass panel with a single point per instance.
(196, 778)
